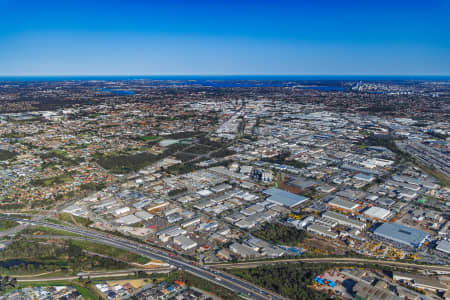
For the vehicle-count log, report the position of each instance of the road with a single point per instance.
(216, 276)
(121, 273)
(15, 230)
(436, 268)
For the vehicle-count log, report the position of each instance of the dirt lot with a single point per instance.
(135, 283)
(325, 246)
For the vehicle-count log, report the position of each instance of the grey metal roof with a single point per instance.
(284, 198)
(444, 246)
(343, 203)
(402, 234)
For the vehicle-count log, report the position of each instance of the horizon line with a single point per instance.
(224, 75)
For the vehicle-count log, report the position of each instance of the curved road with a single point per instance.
(216, 276)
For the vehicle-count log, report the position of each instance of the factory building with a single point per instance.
(343, 204)
(284, 198)
(402, 234)
(378, 213)
(322, 230)
(344, 220)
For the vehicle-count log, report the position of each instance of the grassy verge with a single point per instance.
(7, 224)
(442, 179)
(58, 222)
(41, 230)
(86, 292)
(70, 218)
(111, 251)
(149, 137)
(51, 181)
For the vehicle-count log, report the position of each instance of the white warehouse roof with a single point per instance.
(377, 213)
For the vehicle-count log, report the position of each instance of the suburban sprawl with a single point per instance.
(224, 189)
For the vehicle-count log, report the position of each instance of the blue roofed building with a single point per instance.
(402, 234)
(284, 198)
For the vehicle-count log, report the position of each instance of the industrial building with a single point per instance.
(128, 220)
(284, 198)
(343, 204)
(243, 250)
(364, 177)
(402, 234)
(344, 220)
(322, 230)
(364, 290)
(443, 246)
(184, 242)
(170, 232)
(378, 213)
(420, 282)
(298, 185)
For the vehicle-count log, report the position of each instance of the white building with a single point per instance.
(378, 213)
(184, 242)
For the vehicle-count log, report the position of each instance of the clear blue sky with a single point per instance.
(130, 37)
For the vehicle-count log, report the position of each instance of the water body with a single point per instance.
(325, 88)
(117, 92)
(16, 262)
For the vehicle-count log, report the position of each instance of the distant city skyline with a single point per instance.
(138, 38)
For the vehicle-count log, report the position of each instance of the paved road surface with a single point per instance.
(216, 276)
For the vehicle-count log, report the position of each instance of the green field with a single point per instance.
(111, 251)
(88, 245)
(5, 155)
(51, 181)
(149, 137)
(54, 256)
(68, 218)
(32, 230)
(7, 224)
(280, 234)
(442, 179)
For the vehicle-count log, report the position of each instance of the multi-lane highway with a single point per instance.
(209, 272)
(216, 276)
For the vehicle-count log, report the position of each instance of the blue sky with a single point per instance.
(315, 37)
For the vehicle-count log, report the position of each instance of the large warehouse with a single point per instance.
(402, 234)
(378, 213)
(344, 220)
(343, 204)
(284, 198)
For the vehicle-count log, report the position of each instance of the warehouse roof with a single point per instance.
(377, 213)
(343, 219)
(342, 203)
(302, 183)
(128, 220)
(444, 246)
(284, 198)
(402, 234)
(184, 241)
